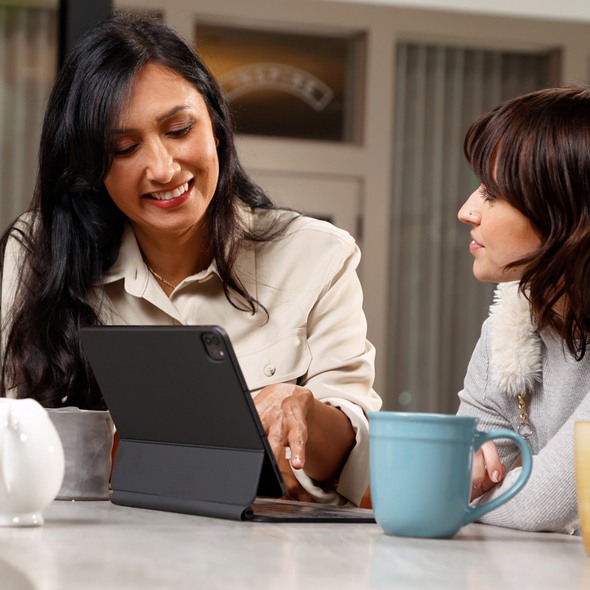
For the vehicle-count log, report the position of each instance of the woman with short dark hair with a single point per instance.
(530, 230)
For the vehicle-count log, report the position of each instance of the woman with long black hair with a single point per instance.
(142, 214)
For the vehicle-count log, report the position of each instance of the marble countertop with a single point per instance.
(88, 545)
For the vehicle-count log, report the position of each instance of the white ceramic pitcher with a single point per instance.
(31, 462)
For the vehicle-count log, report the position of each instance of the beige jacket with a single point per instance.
(315, 335)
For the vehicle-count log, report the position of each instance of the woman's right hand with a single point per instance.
(487, 470)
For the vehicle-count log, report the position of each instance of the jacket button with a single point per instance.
(269, 370)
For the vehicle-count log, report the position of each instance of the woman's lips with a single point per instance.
(168, 195)
(474, 246)
(171, 198)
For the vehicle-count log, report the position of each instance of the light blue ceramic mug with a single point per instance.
(421, 472)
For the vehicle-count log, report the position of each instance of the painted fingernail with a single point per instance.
(496, 476)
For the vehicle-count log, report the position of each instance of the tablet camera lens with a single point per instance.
(214, 346)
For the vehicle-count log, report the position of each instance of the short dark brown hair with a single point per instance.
(533, 151)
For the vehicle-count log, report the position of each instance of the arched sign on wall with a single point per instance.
(276, 76)
(288, 84)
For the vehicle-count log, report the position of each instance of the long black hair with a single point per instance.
(72, 232)
(533, 151)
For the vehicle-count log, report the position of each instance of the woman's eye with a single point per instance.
(180, 132)
(125, 151)
(484, 194)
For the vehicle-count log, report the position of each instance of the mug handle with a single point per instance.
(474, 512)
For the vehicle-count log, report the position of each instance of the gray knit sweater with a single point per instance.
(512, 356)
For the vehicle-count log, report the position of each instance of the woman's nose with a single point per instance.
(161, 166)
(469, 212)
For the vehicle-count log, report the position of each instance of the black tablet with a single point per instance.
(190, 437)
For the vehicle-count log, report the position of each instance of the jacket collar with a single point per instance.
(132, 269)
(516, 354)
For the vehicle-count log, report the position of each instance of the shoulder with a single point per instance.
(304, 231)
(17, 235)
(322, 231)
(16, 258)
(318, 245)
(25, 223)
(307, 249)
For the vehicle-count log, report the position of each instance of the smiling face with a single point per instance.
(165, 167)
(500, 234)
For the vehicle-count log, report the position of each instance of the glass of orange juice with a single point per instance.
(582, 459)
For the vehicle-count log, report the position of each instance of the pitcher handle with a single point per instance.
(475, 512)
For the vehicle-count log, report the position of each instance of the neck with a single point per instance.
(173, 258)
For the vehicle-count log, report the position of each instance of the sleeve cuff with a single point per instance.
(354, 478)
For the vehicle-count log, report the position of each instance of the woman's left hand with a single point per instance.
(284, 411)
(319, 436)
(487, 471)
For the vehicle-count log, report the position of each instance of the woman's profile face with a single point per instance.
(500, 234)
(165, 166)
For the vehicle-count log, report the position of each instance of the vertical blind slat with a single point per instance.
(27, 70)
(19, 114)
(396, 213)
(414, 305)
(3, 100)
(435, 198)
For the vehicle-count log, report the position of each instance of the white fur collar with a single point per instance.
(515, 354)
